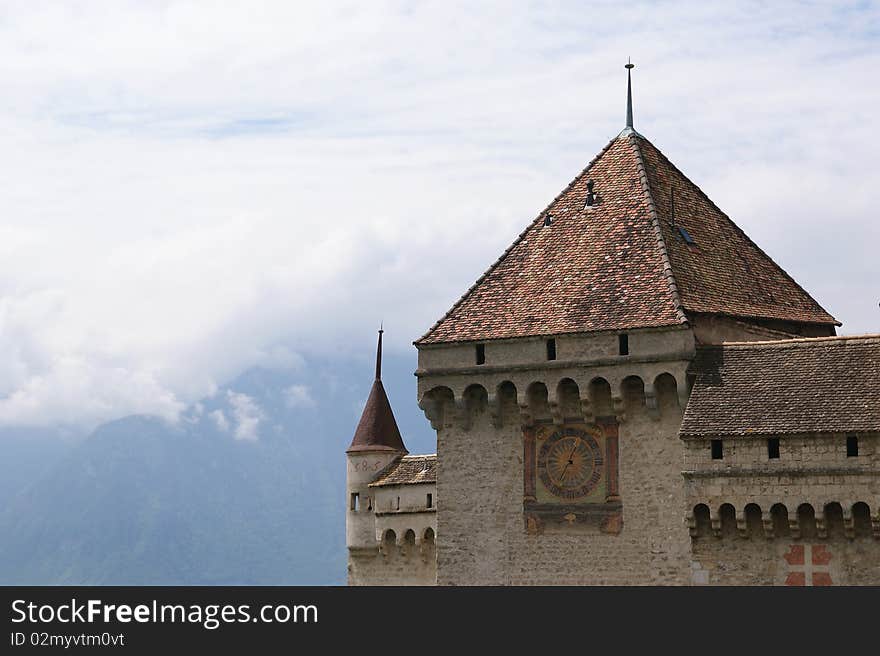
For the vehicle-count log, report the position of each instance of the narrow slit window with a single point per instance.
(429, 501)
(398, 503)
(852, 446)
(623, 344)
(551, 349)
(773, 448)
(355, 501)
(481, 353)
(717, 450)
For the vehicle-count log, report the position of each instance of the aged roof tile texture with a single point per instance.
(818, 385)
(621, 264)
(408, 470)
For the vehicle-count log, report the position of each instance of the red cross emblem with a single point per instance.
(808, 565)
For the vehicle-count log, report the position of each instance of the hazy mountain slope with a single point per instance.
(142, 501)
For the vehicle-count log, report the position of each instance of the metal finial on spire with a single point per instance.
(629, 93)
(379, 355)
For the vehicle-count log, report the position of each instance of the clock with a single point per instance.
(570, 463)
(570, 477)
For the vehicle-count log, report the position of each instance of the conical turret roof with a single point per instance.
(377, 429)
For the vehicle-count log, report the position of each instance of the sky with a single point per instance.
(190, 189)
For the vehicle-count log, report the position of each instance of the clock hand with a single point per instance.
(570, 455)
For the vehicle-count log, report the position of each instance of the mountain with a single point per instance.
(246, 488)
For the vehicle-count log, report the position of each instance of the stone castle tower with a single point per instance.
(633, 393)
(391, 519)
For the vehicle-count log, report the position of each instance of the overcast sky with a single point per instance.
(189, 190)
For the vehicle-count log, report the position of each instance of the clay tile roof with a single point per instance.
(408, 470)
(723, 272)
(620, 264)
(810, 385)
(377, 430)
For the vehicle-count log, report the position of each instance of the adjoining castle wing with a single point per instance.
(818, 385)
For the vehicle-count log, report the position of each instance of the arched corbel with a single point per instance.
(525, 411)
(651, 400)
(462, 414)
(495, 409)
(767, 524)
(553, 404)
(433, 411)
(587, 410)
(821, 526)
(691, 521)
(849, 527)
(741, 527)
(682, 394)
(715, 520)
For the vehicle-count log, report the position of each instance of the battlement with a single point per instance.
(552, 379)
(788, 519)
(570, 395)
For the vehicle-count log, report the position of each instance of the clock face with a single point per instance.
(570, 463)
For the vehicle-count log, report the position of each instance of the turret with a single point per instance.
(376, 443)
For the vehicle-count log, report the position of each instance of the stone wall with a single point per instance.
(481, 534)
(812, 513)
(785, 561)
(393, 564)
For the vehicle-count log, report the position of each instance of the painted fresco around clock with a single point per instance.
(571, 477)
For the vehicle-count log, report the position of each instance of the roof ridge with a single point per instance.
(783, 343)
(658, 232)
(521, 236)
(735, 226)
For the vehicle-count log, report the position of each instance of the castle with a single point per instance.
(633, 393)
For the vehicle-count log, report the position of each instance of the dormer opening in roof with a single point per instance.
(682, 231)
(548, 219)
(591, 196)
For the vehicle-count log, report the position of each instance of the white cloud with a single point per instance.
(247, 415)
(188, 191)
(299, 396)
(219, 418)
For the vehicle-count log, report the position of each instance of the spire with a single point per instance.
(629, 93)
(377, 430)
(379, 355)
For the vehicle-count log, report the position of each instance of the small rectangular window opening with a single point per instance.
(623, 344)
(852, 446)
(398, 503)
(717, 450)
(354, 501)
(685, 235)
(551, 349)
(773, 448)
(481, 353)
(429, 502)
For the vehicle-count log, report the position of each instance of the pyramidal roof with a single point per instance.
(621, 263)
(377, 430)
